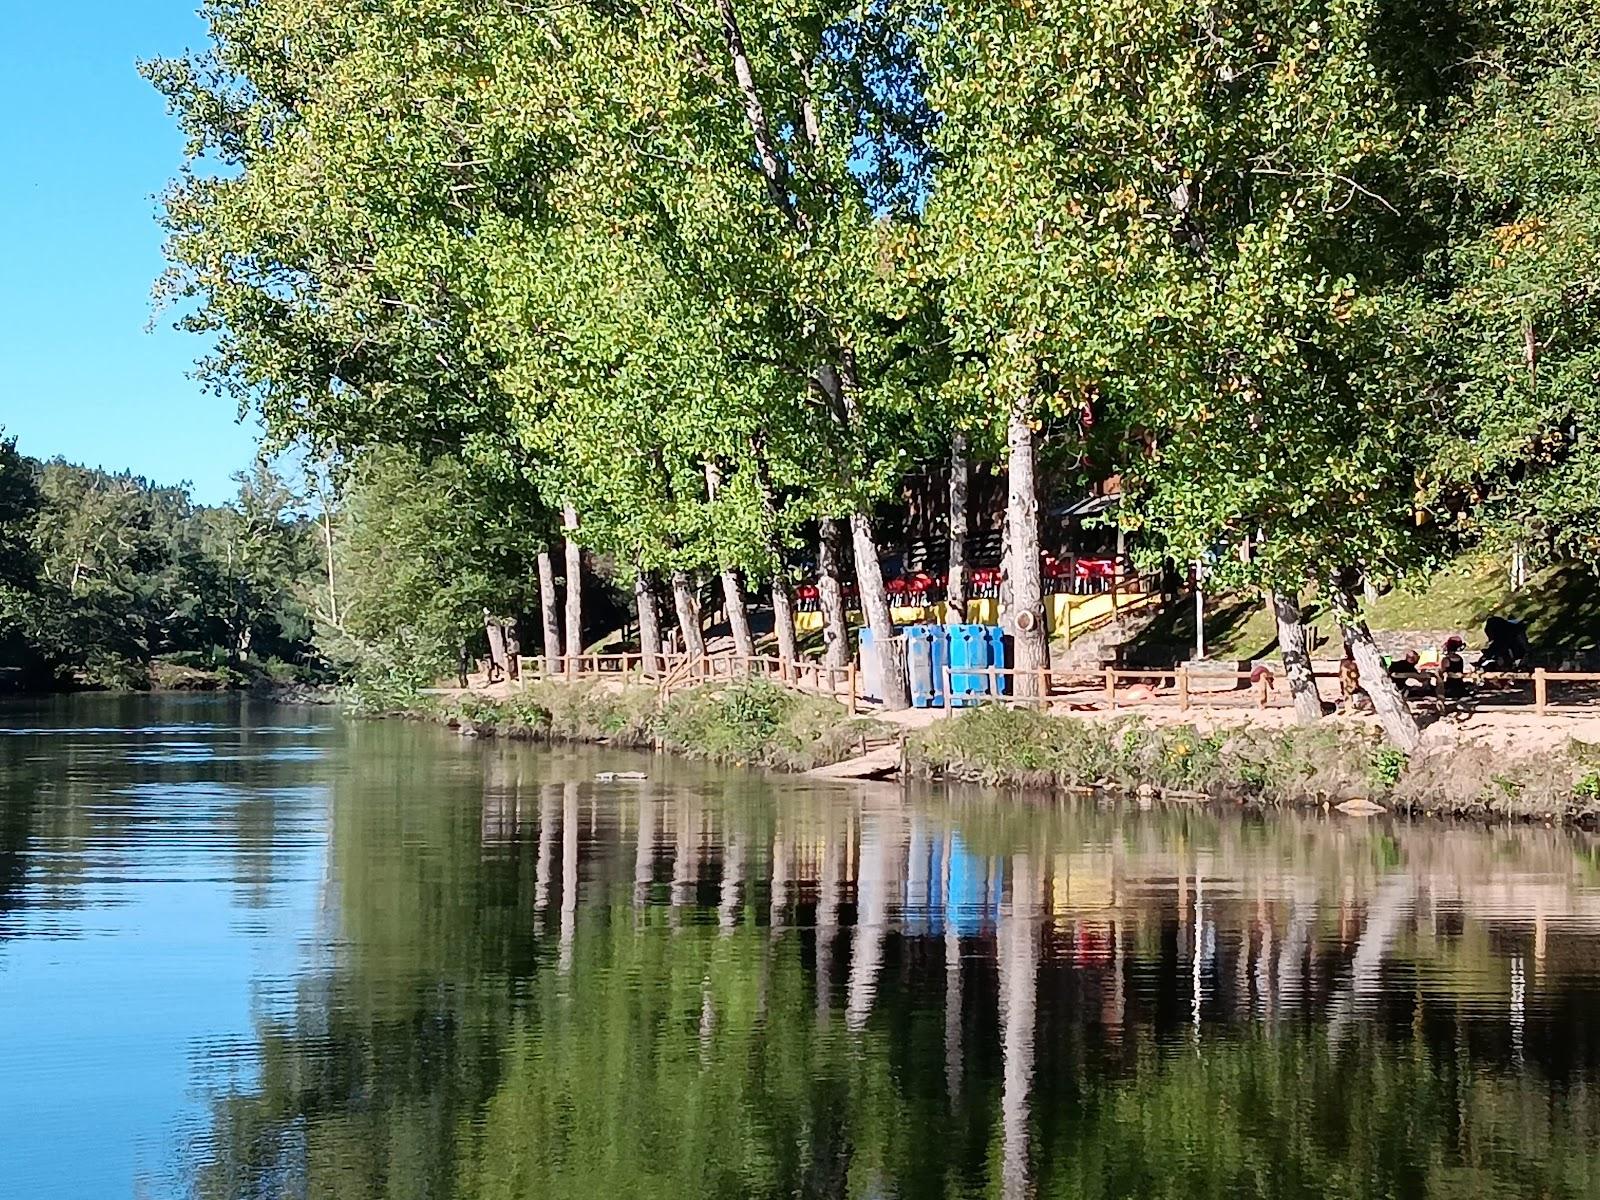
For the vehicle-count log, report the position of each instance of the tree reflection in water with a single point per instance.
(758, 987)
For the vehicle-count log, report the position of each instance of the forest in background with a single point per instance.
(379, 572)
(115, 581)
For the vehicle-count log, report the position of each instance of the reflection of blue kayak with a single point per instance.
(923, 910)
(968, 904)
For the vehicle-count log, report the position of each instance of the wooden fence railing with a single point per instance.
(1540, 680)
(670, 672)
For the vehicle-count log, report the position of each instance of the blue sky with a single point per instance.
(86, 146)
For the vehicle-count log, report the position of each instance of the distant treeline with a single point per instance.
(378, 570)
(115, 581)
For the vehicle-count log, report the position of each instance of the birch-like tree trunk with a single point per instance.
(687, 603)
(783, 623)
(875, 607)
(513, 644)
(744, 642)
(1025, 618)
(782, 591)
(327, 546)
(497, 641)
(1293, 645)
(832, 376)
(956, 587)
(569, 518)
(830, 595)
(836, 387)
(1388, 701)
(644, 599)
(548, 620)
(772, 167)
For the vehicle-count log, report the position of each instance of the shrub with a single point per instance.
(1388, 764)
(755, 722)
(1022, 747)
(760, 723)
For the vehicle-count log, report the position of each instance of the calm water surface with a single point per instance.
(257, 951)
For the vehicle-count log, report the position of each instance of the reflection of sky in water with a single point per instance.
(142, 943)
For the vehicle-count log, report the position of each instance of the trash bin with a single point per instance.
(927, 652)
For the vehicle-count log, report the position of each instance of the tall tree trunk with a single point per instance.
(783, 623)
(1025, 619)
(956, 588)
(875, 607)
(1388, 701)
(644, 598)
(835, 620)
(327, 545)
(687, 603)
(1293, 646)
(548, 619)
(837, 384)
(782, 592)
(513, 643)
(569, 518)
(744, 642)
(497, 641)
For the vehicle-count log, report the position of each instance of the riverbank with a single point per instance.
(1233, 758)
(746, 724)
(1240, 760)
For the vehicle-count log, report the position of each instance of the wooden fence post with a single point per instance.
(1111, 688)
(949, 702)
(1183, 687)
(1541, 690)
(850, 673)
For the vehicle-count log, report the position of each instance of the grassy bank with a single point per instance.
(1301, 766)
(749, 724)
(1560, 604)
(759, 724)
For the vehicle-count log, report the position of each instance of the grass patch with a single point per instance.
(1326, 763)
(1561, 605)
(748, 723)
(1019, 747)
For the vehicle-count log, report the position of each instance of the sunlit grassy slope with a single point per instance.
(1561, 605)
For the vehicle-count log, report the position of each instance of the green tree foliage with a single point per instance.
(107, 574)
(465, 224)
(1517, 338)
(25, 610)
(1289, 270)
(1177, 228)
(421, 549)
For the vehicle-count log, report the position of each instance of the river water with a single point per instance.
(258, 951)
